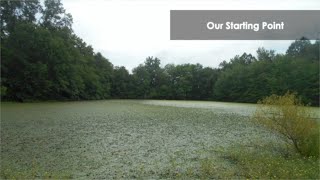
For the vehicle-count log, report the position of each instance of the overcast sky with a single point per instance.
(127, 31)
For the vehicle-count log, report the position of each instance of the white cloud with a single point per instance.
(127, 31)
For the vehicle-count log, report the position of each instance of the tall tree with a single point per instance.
(13, 12)
(298, 48)
(55, 16)
(265, 55)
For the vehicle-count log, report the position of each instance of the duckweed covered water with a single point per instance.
(122, 138)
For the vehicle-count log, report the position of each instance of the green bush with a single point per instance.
(287, 116)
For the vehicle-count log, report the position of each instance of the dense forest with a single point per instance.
(43, 59)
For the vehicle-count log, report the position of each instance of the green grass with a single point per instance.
(34, 173)
(264, 163)
(135, 139)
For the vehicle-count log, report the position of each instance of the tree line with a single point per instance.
(43, 59)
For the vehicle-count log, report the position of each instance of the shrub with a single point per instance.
(287, 116)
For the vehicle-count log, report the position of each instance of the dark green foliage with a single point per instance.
(54, 15)
(271, 74)
(42, 59)
(121, 83)
(45, 60)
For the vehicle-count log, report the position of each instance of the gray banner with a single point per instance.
(244, 24)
